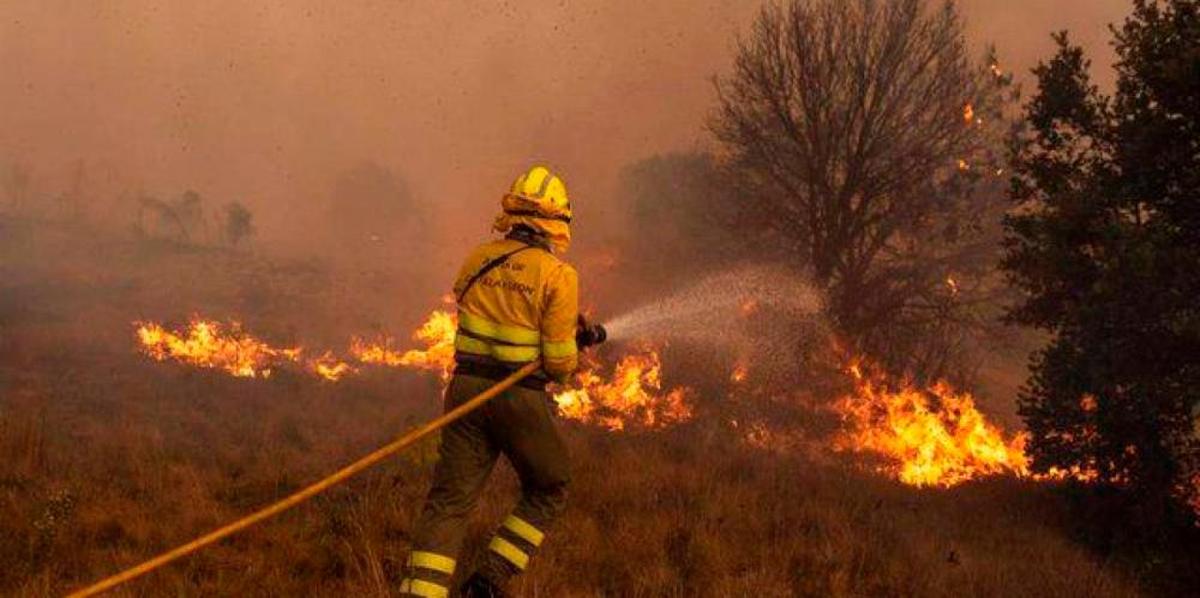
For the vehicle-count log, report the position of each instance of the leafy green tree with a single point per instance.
(1105, 245)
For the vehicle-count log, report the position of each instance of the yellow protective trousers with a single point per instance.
(520, 425)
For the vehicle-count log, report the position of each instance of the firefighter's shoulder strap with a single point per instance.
(488, 266)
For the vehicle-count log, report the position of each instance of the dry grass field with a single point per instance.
(107, 458)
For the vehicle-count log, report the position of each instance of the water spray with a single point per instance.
(696, 311)
(762, 318)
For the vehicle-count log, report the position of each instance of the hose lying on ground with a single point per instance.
(309, 492)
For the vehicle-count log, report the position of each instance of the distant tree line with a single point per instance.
(186, 219)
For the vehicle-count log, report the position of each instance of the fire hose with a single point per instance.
(314, 489)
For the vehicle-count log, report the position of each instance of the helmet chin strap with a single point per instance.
(530, 236)
(537, 214)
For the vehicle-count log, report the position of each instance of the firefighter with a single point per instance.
(517, 302)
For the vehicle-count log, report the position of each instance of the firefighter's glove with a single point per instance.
(587, 335)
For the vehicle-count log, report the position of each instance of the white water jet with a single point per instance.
(710, 308)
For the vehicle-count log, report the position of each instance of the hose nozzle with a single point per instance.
(588, 335)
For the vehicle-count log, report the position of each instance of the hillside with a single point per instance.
(108, 457)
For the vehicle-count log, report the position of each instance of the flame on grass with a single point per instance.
(210, 344)
(632, 396)
(226, 347)
(740, 371)
(437, 333)
(329, 367)
(926, 437)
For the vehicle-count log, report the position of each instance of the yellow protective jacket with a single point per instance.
(520, 311)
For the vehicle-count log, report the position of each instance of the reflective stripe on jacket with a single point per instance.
(523, 310)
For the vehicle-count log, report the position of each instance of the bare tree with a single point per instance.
(157, 219)
(869, 145)
(181, 221)
(239, 223)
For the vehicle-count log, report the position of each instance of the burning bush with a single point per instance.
(926, 437)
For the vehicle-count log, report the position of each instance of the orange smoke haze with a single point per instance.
(268, 103)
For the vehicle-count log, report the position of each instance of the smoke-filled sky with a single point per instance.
(267, 102)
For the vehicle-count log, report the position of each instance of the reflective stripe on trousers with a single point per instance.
(515, 541)
(422, 588)
(429, 575)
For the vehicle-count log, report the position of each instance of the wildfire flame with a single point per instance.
(212, 345)
(924, 437)
(739, 373)
(931, 437)
(207, 344)
(952, 284)
(632, 396)
(329, 367)
(438, 335)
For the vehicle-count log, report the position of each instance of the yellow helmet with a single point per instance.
(539, 193)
